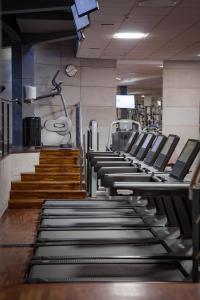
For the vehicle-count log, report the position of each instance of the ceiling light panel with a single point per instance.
(158, 3)
(130, 35)
(150, 11)
(127, 3)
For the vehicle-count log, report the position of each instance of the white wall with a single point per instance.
(94, 86)
(10, 169)
(181, 100)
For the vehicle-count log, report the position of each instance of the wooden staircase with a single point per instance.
(56, 177)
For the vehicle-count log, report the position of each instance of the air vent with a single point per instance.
(107, 24)
(158, 3)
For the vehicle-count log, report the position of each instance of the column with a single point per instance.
(181, 100)
(22, 74)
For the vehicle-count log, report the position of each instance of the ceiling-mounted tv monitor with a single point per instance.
(85, 7)
(80, 22)
(125, 101)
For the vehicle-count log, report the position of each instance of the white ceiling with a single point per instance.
(174, 34)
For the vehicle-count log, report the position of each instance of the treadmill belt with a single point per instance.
(90, 222)
(87, 203)
(97, 251)
(92, 235)
(83, 271)
(86, 212)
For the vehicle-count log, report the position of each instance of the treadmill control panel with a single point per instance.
(155, 150)
(145, 146)
(138, 143)
(166, 152)
(185, 159)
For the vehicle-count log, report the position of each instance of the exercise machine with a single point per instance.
(61, 126)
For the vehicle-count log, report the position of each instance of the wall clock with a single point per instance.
(71, 70)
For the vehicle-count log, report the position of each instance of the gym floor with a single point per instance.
(18, 230)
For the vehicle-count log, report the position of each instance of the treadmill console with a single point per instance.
(131, 141)
(155, 150)
(145, 146)
(138, 143)
(166, 152)
(185, 159)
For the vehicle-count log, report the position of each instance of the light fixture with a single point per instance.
(198, 55)
(128, 80)
(159, 103)
(161, 66)
(118, 78)
(158, 3)
(130, 35)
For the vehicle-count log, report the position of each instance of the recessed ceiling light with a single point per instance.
(130, 35)
(118, 78)
(158, 3)
(128, 80)
(198, 55)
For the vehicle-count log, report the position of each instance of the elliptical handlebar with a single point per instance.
(56, 85)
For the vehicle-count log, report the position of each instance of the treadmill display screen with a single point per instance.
(80, 22)
(187, 151)
(139, 139)
(156, 144)
(167, 145)
(147, 140)
(86, 6)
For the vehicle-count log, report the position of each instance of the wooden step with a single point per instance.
(46, 194)
(45, 185)
(58, 168)
(59, 160)
(50, 177)
(43, 155)
(60, 152)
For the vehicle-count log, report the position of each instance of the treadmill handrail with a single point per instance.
(151, 186)
(196, 177)
(129, 175)
(195, 180)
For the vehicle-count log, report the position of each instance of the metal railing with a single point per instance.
(5, 129)
(195, 198)
(76, 116)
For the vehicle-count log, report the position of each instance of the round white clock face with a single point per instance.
(71, 70)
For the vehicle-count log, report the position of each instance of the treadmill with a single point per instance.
(91, 178)
(128, 148)
(99, 261)
(114, 258)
